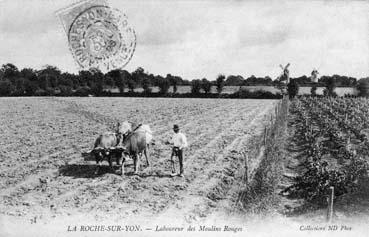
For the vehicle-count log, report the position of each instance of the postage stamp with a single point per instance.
(98, 36)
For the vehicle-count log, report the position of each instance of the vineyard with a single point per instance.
(331, 145)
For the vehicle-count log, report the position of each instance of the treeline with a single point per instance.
(340, 81)
(51, 81)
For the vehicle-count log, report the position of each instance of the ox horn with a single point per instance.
(120, 148)
(97, 149)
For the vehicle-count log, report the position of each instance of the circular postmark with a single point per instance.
(99, 37)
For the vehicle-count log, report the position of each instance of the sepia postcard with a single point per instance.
(184, 118)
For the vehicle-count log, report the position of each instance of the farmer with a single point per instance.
(179, 141)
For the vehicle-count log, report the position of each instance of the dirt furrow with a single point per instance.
(128, 183)
(56, 180)
(196, 203)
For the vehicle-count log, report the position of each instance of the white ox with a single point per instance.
(135, 140)
(127, 127)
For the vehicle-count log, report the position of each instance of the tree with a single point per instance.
(206, 85)
(85, 78)
(120, 78)
(220, 83)
(303, 80)
(175, 87)
(292, 89)
(29, 74)
(50, 91)
(67, 79)
(173, 82)
(83, 91)
(131, 85)
(6, 88)
(330, 86)
(138, 75)
(97, 88)
(139, 71)
(363, 87)
(65, 90)
(234, 80)
(146, 86)
(91, 77)
(19, 86)
(253, 81)
(313, 90)
(49, 76)
(164, 85)
(108, 81)
(31, 87)
(97, 76)
(9, 71)
(43, 81)
(338, 80)
(195, 86)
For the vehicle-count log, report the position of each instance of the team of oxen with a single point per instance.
(128, 140)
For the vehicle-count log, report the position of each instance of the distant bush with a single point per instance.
(97, 88)
(65, 91)
(164, 85)
(146, 86)
(242, 94)
(40, 92)
(50, 91)
(220, 83)
(292, 89)
(330, 86)
(206, 85)
(258, 94)
(83, 91)
(313, 90)
(18, 92)
(363, 87)
(195, 86)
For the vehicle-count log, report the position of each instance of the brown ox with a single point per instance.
(105, 146)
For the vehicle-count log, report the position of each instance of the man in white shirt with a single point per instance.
(179, 141)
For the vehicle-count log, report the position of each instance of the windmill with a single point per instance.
(285, 75)
(283, 79)
(314, 76)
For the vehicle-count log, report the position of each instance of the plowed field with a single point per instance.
(45, 171)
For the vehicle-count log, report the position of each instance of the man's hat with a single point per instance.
(175, 127)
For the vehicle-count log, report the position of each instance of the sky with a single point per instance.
(201, 39)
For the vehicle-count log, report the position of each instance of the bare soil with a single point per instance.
(46, 173)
